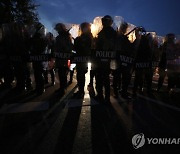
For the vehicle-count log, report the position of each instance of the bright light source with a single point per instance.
(74, 31)
(93, 30)
(96, 27)
(89, 66)
(72, 66)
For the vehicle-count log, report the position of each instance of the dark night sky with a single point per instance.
(162, 16)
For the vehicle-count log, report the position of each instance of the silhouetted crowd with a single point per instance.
(110, 52)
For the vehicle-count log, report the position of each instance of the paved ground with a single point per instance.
(49, 124)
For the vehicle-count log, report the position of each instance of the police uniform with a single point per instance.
(105, 42)
(173, 65)
(7, 69)
(63, 44)
(39, 45)
(82, 46)
(27, 64)
(49, 51)
(125, 62)
(143, 65)
(17, 46)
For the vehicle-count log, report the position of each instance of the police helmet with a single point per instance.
(107, 21)
(40, 29)
(60, 27)
(85, 27)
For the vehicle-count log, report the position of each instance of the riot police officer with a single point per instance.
(27, 64)
(82, 46)
(7, 69)
(50, 64)
(105, 42)
(17, 54)
(169, 60)
(125, 61)
(38, 47)
(143, 62)
(156, 54)
(162, 67)
(63, 44)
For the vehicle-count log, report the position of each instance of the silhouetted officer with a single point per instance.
(143, 63)
(162, 67)
(49, 65)
(105, 42)
(39, 45)
(63, 45)
(27, 64)
(7, 69)
(125, 62)
(17, 54)
(156, 54)
(170, 60)
(82, 46)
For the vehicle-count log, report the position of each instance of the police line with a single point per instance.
(60, 56)
(95, 55)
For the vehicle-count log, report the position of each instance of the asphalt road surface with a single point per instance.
(48, 124)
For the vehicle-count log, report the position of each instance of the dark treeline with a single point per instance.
(23, 11)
